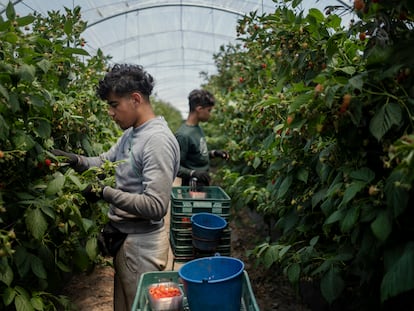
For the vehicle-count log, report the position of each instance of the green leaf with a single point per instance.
(37, 267)
(378, 54)
(350, 219)
(92, 248)
(382, 226)
(63, 267)
(25, 20)
(6, 273)
(44, 64)
(397, 196)
(70, 51)
(87, 224)
(43, 129)
(76, 181)
(363, 174)
(36, 223)
(55, 185)
(81, 259)
(22, 263)
(300, 101)
(10, 12)
(10, 37)
(37, 303)
(284, 187)
(357, 82)
(27, 72)
(4, 92)
(271, 256)
(68, 27)
(348, 70)
(334, 188)
(316, 14)
(332, 285)
(4, 128)
(14, 102)
(8, 295)
(284, 250)
(332, 46)
(23, 142)
(400, 277)
(314, 240)
(293, 273)
(303, 175)
(256, 162)
(334, 217)
(351, 192)
(22, 303)
(47, 210)
(387, 115)
(318, 197)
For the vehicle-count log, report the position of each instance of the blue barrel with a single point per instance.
(207, 229)
(213, 283)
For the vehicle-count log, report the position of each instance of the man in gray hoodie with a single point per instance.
(150, 158)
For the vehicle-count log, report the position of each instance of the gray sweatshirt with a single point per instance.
(151, 157)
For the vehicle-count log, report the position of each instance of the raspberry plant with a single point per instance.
(319, 123)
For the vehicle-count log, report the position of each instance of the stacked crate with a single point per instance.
(183, 207)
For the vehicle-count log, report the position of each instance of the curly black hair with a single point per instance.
(123, 79)
(201, 98)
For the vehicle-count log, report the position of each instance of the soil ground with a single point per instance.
(93, 291)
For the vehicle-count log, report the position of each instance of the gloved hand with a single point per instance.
(71, 158)
(220, 154)
(201, 176)
(93, 193)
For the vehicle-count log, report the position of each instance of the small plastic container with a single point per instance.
(174, 303)
(195, 193)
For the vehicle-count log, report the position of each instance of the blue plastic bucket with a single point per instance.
(213, 283)
(207, 229)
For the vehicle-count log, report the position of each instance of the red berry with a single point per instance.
(359, 5)
(48, 162)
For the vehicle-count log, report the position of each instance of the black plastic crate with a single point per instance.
(183, 237)
(188, 251)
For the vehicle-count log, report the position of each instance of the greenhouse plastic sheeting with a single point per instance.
(174, 40)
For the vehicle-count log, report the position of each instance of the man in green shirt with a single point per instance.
(194, 153)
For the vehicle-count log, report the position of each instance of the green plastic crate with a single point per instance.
(216, 201)
(141, 302)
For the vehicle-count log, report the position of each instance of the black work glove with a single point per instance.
(201, 176)
(93, 193)
(71, 158)
(220, 154)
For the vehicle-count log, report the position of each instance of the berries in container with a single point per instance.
(165, 296)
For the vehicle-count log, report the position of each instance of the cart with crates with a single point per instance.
(183, 206)
(141, 301)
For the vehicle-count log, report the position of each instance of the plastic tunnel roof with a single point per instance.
(173, 40)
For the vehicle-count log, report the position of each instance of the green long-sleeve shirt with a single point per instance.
(193, 150)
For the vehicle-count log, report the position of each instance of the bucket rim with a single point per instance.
(216, 257)
(210, 215)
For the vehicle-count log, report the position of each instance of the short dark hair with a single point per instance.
(201, 98)
(123, 79)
